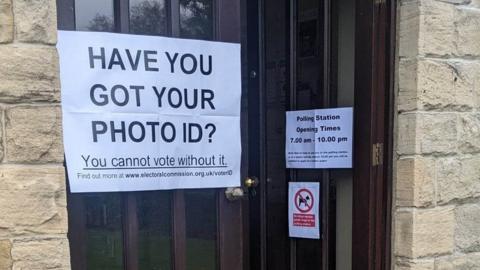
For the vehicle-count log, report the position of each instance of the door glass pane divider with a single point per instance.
(130, 231)
(226, 28)
(218, 243)
(220, 232)
(174, 18)
(77, 234)
(293, 6)
(325, 214)
(67, 10)
(122, 20)
(216, 13)
(179, 230)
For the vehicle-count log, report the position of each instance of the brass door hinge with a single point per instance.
(377, 154)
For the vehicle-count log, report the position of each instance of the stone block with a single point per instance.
(407, 85)
(475, 3)
(427, 133)
(457, 2)
(5, 255)
(36, 21)
(466, 74)
(467, 26)
(438, 133)
(2, 150)
(435, 84)
(407, 134)
(6, 23)
(457, 178)
(445, 85)
(467, 228)
(459, 262)
(29, 73)
(415, 183)
(437, 32)
(469, 137)
(34, 134)
(408, 29)
(40, 254)
(404, 227)
(33, 199)
(424, 264)
(425, 232)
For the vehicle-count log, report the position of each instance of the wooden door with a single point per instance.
(313, 54)
(156, 230)
(292, 77)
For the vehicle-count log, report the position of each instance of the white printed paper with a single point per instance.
(319, 138)
(303, 209)
(149, 113)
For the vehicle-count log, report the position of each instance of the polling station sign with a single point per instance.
(319, 139)
(149, 113)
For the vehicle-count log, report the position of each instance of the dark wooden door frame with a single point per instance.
(373, 124)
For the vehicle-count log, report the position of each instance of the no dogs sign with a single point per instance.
(303, 218)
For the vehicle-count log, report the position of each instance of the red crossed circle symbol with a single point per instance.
(302, 199)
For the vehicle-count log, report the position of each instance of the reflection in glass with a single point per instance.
(309, 58)
(196, 19)
(201, 226)
(104, 232)
(94, 15)
(148, 17)
(154, 227)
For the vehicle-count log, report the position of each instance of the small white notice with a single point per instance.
(303, 209)
(149, 113)
(319, 139)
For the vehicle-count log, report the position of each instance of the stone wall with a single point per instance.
(437, 196)
(33, 216)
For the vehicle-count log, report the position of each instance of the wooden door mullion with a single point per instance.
(292, 98)
(77, 231)
(179, 230)
(130, 231)
(122, 16)
(67, 19)
(325, 12)
(174, 17)
(230, 252)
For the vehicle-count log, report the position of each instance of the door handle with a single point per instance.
(236, 193)
(251, 182)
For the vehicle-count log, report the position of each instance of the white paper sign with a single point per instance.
(149, 113)
(303, 213)
(319, 138)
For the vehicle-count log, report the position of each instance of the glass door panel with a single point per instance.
(148, 17)
(104, 239)
(201, 225)
(196, 19)
(94, 15)
(154, 230)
